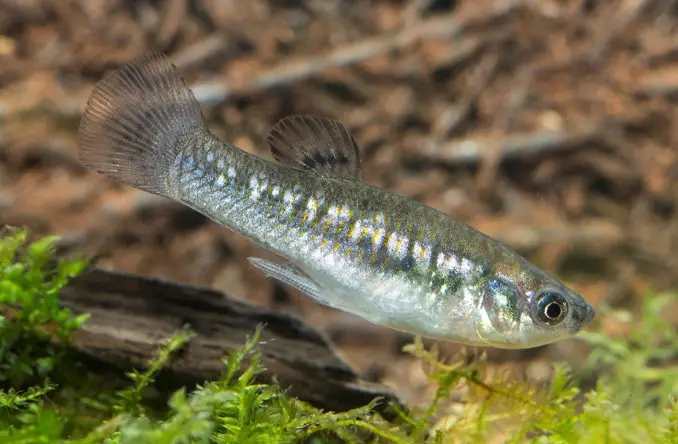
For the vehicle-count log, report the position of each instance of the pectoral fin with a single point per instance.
(293, 276)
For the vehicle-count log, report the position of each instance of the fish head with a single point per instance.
(521, 306)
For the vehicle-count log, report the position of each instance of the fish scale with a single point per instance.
(372, 242)
(345, 243)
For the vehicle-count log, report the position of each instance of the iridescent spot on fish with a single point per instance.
(290, 199)
(355, 231)
(320, 198)
(311, 210)
(377, 238)
(340, 220)
(231, 172)
(422, 253)
(312, 204)
(221, 163)
(188, 163)
(333, 213)
(292, 196)
(453, 265)
(197, 173)
(397, 245)
(365, 231)
(336, 216)
(288, 196)
(221, 181)
(466, 267)
(210, 157)
(275, 191)
(255, 189)
(447, 263)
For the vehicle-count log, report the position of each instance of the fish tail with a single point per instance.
(137, 120)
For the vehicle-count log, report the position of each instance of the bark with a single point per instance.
(132, 316)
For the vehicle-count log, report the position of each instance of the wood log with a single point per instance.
(132, 316)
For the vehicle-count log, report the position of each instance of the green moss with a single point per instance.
(29, 289)
(630, 384)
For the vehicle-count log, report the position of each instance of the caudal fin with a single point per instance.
(137, 120)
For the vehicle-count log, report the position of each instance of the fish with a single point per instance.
(344, 243)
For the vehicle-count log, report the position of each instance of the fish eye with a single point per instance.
(551, 307)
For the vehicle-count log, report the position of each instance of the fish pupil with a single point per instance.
(553, 310)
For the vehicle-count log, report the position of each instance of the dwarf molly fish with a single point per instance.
(346, 244)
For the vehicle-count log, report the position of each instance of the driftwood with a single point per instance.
(131, 317)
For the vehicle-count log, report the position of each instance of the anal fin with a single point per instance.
(291, 275)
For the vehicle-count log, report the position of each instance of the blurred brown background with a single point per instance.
(550, 125)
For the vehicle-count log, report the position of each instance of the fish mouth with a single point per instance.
(582, 316)
(590, 314)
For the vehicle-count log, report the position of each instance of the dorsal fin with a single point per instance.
(319, 144)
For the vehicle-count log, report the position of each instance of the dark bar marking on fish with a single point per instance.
(315, 143)
(127, 130)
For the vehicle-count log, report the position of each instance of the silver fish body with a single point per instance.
(347, 244)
